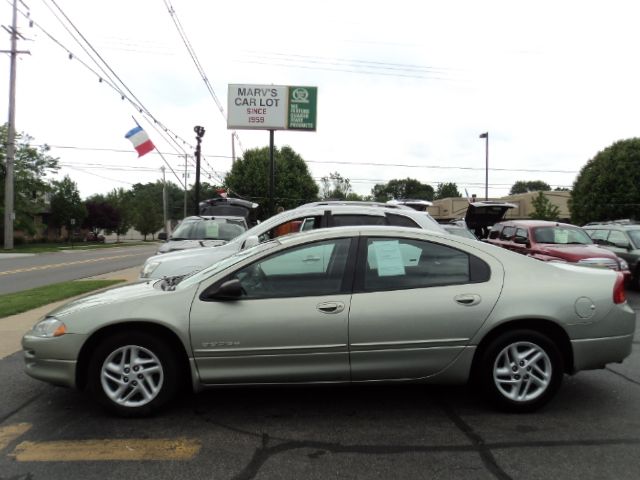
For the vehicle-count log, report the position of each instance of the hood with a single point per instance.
(187, 261)
(120, 294)
(574, 253)
(173, 245)
(485, 214)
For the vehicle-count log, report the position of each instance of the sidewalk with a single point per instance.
(12, 328)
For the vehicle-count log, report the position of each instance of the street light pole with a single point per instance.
(199, 134)
(485, 135)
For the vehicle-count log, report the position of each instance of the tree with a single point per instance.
(101, 214)
(543, 209)
(608, 186)
(67, 209)
(249, 178)
(31, 167)
(147, 210)
(121, 200)
(407, 188)
(335, 186)
(522, 186)
(447, 190)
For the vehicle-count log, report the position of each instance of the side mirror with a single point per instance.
(229, 290)
(520, 240)
(624, 245)
(252, 241)
(162, 236)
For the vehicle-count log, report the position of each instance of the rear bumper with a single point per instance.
(595, 353)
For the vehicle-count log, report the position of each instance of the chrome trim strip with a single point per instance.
(262, 350)
(410, 342)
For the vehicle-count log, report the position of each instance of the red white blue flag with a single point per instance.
(140, 140)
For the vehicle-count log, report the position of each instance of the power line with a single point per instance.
(199, 67)
(368, 164)
(105, 78)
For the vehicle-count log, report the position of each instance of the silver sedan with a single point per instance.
(341, 305)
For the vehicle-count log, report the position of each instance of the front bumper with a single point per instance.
(52, 360)
(57, 372)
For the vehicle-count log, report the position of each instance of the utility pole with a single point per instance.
(9, 195)
(199, 134)
(485, 135)
(185, 185)
(164, 201)
(233, 149)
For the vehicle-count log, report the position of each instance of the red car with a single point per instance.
(555, 242)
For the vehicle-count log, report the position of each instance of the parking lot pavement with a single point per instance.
(12, 328)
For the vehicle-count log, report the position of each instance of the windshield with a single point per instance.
(209, 229)
(219, 266)
(561, 235)
(635, 237)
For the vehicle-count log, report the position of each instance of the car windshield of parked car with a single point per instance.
(224, 263)
(561, 235)
(635, 237)
(209, 229)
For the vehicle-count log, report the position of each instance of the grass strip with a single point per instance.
(13, 303)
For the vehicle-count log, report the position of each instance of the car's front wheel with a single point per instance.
(133, 374)
(521, 370)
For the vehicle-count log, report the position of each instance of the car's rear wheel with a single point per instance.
(521, 370)
(133, 374)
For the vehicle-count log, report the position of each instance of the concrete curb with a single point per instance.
(12, 328)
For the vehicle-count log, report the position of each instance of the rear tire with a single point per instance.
(521, 370)
(133, 374)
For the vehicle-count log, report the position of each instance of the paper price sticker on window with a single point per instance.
(388, 258)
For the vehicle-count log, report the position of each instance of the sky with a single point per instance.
(405, 88)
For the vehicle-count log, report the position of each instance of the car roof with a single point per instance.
(213, 217)
(535, 223)
(610, 225)
(353, 203)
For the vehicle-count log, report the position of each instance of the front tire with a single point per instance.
(521, 370)
(133, 374)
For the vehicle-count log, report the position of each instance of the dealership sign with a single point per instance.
(270, 107)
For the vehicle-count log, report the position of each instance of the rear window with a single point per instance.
(507, 233)
(401, 221)
(495, 232)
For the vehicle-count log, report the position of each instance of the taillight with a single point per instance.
(618, 289)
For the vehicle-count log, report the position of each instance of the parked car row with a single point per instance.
(623, 239)
(555, 242)
(355, 304)
(306, 217)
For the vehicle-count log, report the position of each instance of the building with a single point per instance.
(447, 209)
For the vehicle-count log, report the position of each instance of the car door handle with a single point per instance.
(330, 307)
(311, 259)
(467, 299)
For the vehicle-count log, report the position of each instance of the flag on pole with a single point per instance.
(140, 140)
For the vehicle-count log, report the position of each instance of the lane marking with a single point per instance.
(133, 449)
(66, 264)
(9, 433)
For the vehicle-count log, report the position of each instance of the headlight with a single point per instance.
(148, 268)
(49, 327)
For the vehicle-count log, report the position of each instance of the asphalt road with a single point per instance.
(23, 272)
(591, 430)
